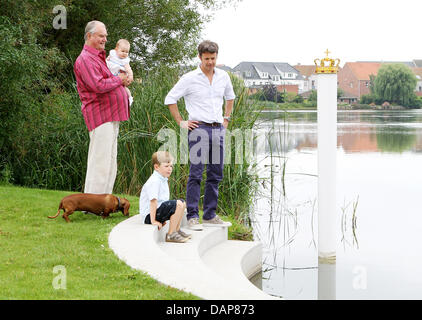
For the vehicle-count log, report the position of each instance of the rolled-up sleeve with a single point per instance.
(178, 91)
(229, 92)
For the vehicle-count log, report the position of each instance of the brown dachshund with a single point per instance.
(100, 204)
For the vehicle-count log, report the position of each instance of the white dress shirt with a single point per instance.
(204, 101)
(156, 187)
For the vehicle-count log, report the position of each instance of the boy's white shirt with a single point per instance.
(156, 187)
(115, 64)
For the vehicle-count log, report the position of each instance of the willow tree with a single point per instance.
(395, 83)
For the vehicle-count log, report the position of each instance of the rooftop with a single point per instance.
(362, 70)
(418, 72)
(305, 70)
(272, 68)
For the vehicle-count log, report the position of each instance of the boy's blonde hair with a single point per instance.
(160, 157)
(122, 42)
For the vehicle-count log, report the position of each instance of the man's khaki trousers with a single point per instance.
(102, 159)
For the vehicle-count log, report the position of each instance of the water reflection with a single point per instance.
(393, 131)
(326, 281)
(379, 228)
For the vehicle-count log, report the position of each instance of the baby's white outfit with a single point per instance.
(117, 64)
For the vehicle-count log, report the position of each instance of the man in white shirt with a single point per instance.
(204, 91)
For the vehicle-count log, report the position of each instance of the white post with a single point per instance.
(327, 146)
(326, 281)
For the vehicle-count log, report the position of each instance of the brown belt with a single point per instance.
(213, 124)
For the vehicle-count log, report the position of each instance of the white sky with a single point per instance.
(298, 31)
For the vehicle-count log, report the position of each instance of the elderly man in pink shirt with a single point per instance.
(104, 105)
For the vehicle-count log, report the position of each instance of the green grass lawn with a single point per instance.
(31, 246)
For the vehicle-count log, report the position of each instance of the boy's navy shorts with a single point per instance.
(164, 211)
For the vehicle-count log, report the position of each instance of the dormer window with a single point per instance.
(265, 74)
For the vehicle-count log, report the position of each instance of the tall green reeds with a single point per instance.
(138, 136)
(239, 186)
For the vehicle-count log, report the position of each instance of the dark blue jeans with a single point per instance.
(206, 147)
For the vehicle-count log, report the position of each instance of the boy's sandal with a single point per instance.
(175, 237)
(184, 234)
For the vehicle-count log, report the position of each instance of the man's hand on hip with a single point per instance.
(190, 124)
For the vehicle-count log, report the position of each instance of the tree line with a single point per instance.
(395, 83)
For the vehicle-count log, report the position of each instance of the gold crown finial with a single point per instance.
(327, 65)
(327, 52)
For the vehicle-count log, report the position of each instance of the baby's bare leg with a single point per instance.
(128, 92)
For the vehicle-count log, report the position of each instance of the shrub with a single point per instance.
(367, 99)
(298, 99)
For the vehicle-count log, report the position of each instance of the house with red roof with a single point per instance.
(354, 79)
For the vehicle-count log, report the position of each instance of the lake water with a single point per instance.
(379, 215)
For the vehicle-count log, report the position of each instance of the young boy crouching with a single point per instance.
(154, 204)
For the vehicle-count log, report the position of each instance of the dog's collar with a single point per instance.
(118, 204)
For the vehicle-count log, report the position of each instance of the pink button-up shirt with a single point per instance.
(102, 94)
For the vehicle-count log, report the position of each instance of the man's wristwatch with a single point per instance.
(227, 118)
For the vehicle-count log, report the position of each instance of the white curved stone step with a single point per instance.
(194, 248)
(180, 265)
(236, 260)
